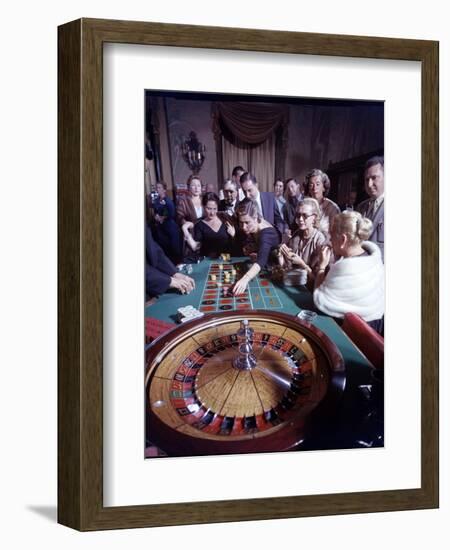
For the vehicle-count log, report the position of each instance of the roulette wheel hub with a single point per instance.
(246, 359)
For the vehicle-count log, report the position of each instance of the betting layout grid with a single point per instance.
(217, 296)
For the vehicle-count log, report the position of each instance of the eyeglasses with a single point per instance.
(304, 216)
(229, 191)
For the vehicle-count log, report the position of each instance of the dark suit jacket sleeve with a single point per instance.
(156, 257)
(288, 216)
(170, 209)
(271, 211)
(158, 268)
(362, 207)
(268, 207)
(278, 221)
(156, 282)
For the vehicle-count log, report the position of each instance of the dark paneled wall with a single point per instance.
(318, 135)
(184, 116)
(321, 135)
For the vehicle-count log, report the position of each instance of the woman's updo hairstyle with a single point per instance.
(193, 177)
(209, 196)
(247, 207)
(352, 224)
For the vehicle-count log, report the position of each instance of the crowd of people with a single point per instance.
(296, 228)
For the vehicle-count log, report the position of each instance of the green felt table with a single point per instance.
(290, 300)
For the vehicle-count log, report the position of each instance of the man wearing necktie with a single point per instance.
(373, 207)
(267, 207)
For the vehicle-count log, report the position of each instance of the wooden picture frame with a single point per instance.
(80, 271)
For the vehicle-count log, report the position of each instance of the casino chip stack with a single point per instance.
(188, 313)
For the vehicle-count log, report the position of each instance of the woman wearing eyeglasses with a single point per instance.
(303, 249)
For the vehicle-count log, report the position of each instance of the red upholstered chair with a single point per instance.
(155, 327)
(370, 343)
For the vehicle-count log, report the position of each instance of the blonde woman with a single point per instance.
(355, 281)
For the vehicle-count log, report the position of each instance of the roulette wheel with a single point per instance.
(239, 382)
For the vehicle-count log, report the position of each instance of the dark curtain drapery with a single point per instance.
(251, 124)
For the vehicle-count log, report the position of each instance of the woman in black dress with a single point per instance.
(261, 239)
(213, 235)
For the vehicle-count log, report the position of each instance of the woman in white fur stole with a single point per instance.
(355, 282)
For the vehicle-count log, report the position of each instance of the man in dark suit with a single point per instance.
(373, 207)
(230, 201)
(267, 206)
(160, 272)
(236, 178)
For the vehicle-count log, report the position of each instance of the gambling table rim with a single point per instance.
(166, 341)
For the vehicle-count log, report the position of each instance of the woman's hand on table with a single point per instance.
(240, 286)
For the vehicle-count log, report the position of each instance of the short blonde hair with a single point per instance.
(313, 203)
(352, 224)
